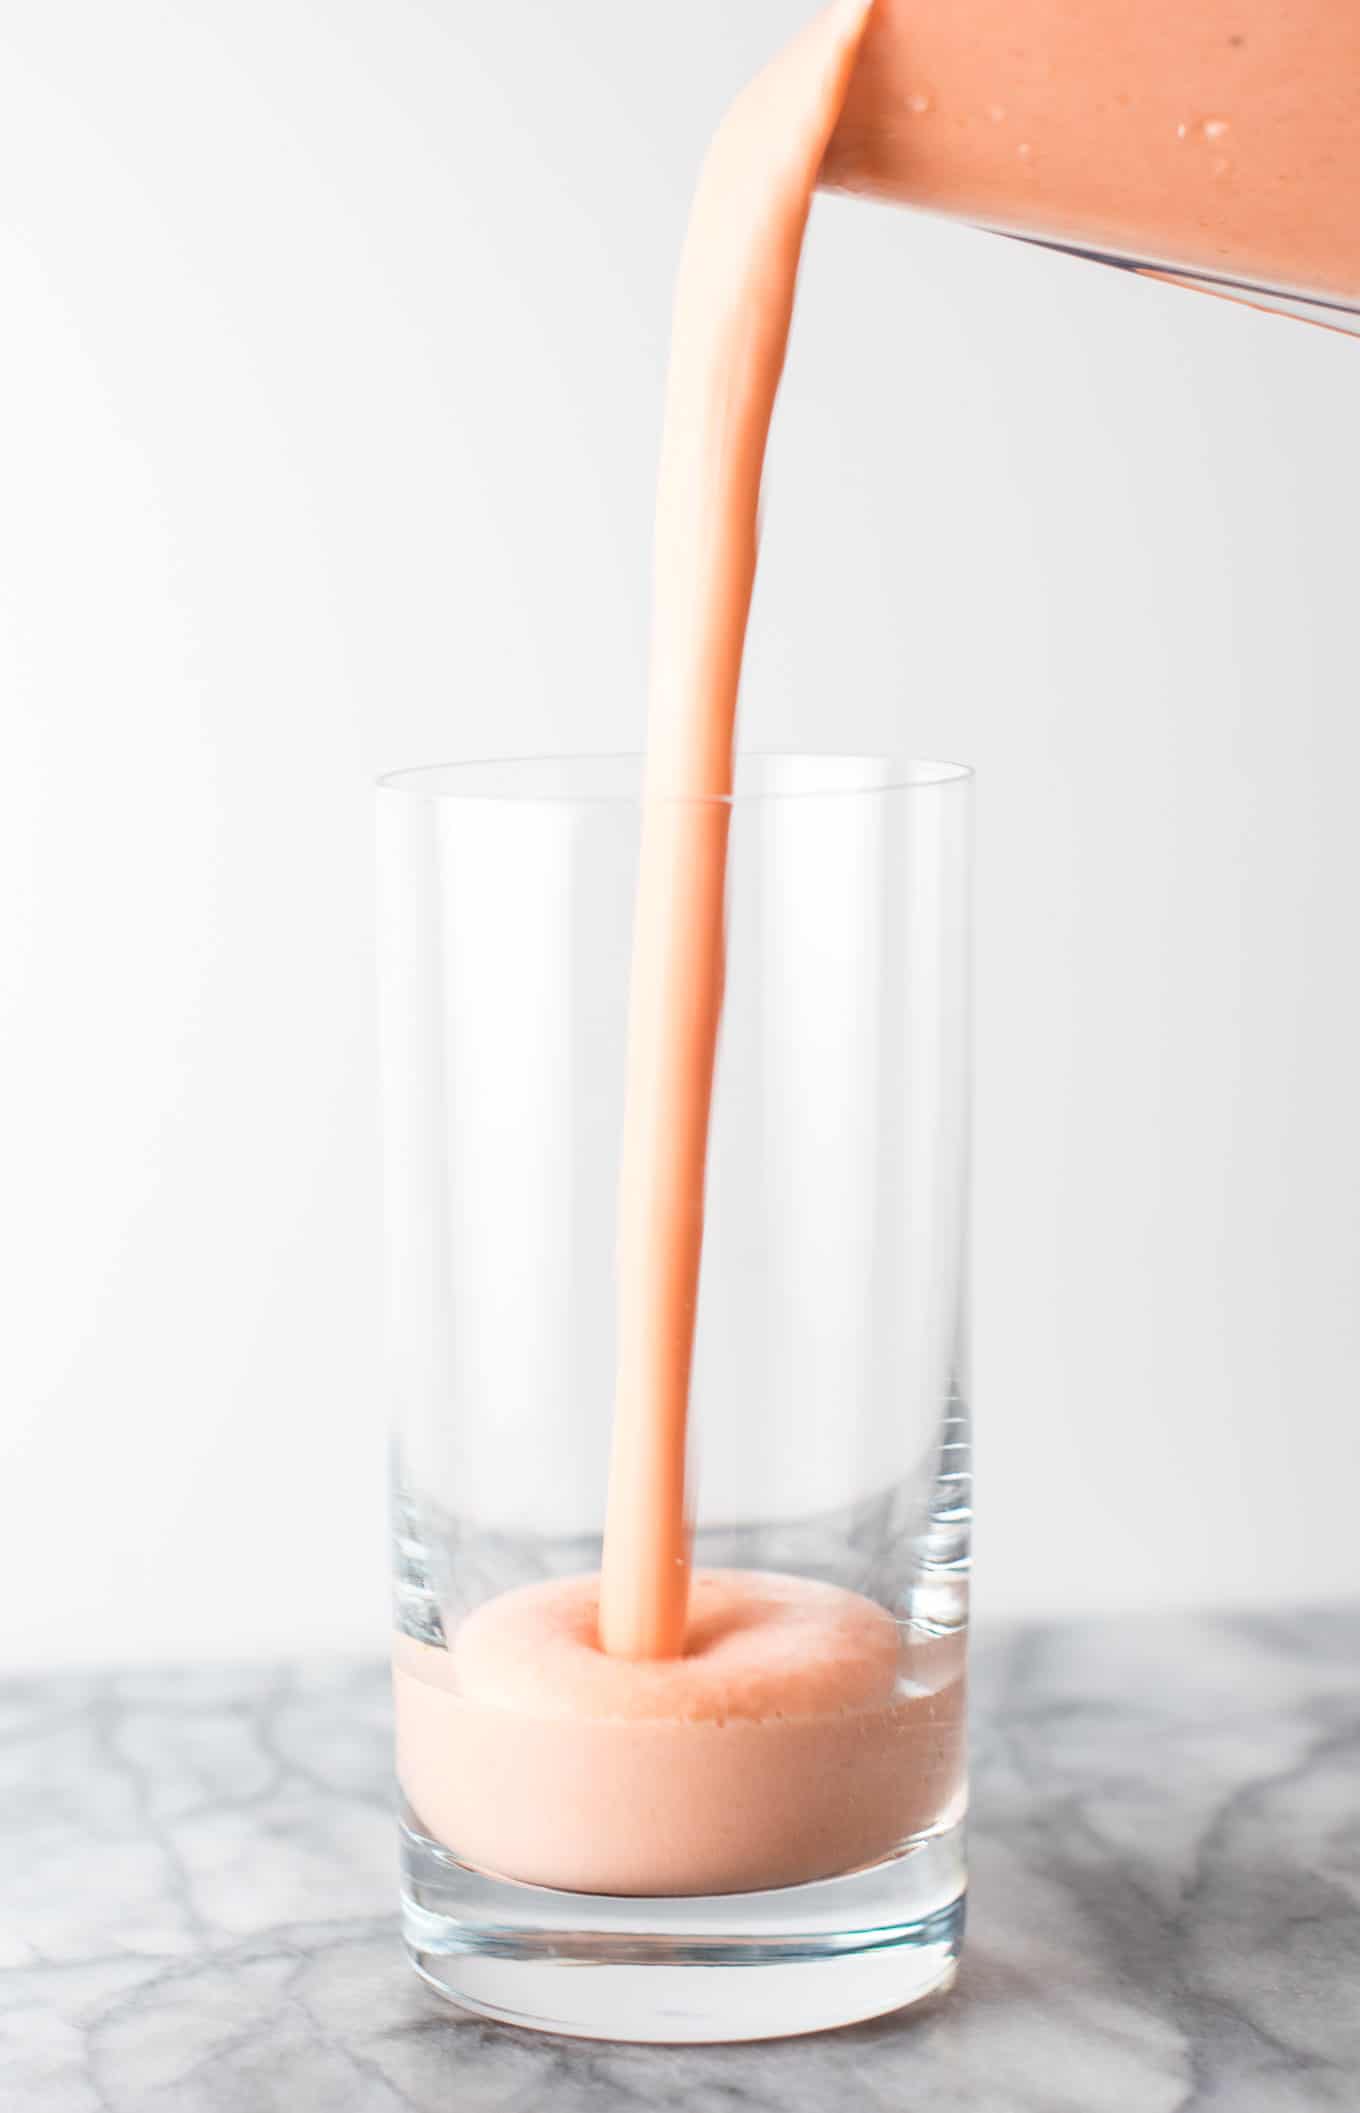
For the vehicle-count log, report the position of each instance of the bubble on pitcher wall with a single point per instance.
(1203, 131)
(997, 113)
(1025, 150)
(919, 104)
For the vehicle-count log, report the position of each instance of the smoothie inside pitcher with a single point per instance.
(1214, 141)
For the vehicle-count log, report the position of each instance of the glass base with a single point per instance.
(733, 1966)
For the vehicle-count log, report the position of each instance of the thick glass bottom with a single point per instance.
(733, 1966)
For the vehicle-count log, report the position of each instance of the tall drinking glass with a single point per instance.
(790, 1857)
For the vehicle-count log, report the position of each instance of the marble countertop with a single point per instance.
(197, 1874)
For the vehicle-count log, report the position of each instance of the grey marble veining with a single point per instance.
(198, 1873)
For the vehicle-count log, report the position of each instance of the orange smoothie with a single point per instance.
(626, 1734)
(644, 1732)
(733, 307)
(790, 1741)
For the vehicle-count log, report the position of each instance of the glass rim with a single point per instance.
(428, 781)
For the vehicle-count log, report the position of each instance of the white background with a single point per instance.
(330, 373)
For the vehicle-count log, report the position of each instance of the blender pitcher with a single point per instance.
(1215, 143)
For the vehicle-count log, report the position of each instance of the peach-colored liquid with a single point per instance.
(733, 306)
(791, 1741)
(621, 1734)
(628, 1734)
